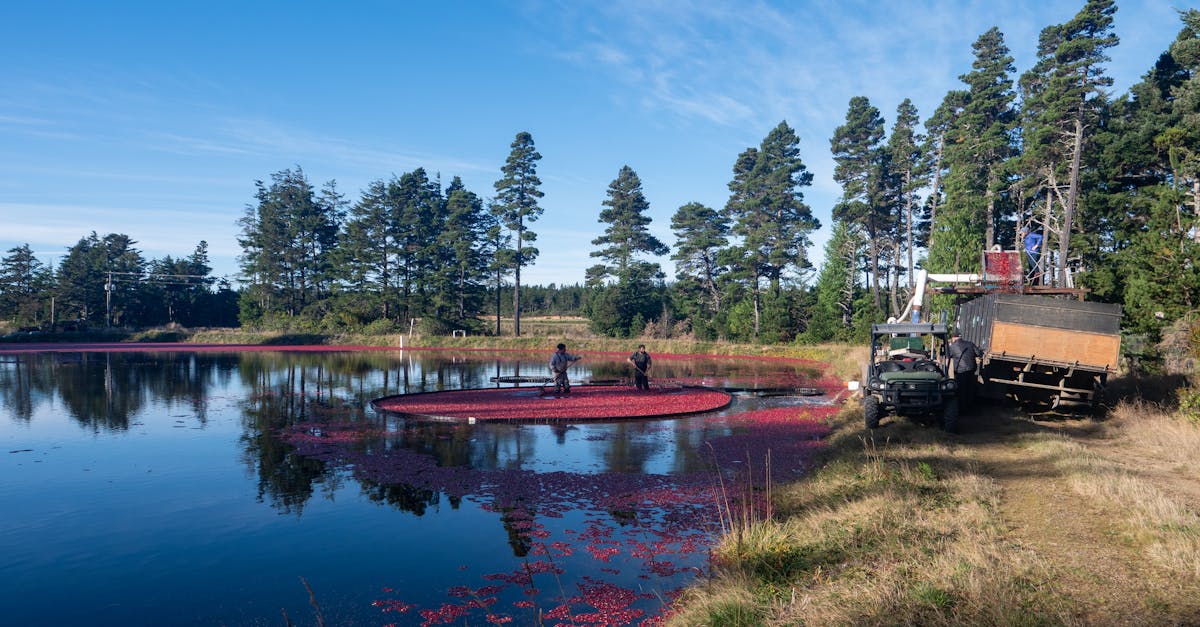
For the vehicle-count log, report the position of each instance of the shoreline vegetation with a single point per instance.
(539, 334)
(1021, 519)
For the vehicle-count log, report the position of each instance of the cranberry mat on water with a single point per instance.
(584, 402)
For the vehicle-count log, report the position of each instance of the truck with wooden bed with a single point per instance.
(1041, 346)
(1043, 351)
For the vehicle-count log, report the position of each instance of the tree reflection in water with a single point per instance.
(579, 495)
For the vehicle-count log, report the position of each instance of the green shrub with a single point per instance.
(382, 326)
(1189, 403)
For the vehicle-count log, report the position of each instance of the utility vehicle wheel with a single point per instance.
(950, 416)
(871, 411)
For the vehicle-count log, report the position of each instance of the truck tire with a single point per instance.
(949, 420)
(871, 411)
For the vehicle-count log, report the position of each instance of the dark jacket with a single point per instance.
(965, 355)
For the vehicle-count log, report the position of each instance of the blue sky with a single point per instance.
(155, 119)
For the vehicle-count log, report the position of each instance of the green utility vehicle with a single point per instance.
(907, 375)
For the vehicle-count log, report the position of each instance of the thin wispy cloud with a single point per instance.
(99, 131)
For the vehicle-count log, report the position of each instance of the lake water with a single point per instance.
(219, 488)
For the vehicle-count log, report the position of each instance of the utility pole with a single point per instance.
(108, 288)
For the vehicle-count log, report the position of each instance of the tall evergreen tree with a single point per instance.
(1147, 225)
(772, 222)
(497, 247)
(976, 159)
(637, 292)
(1063, 96)
(24, 283)
(939, 126)
(990, 114)
(180, 287)
(367, 255)
(907, 161)
(858, 155)
(463, 238)
(102, 277)
(833, 313)
(700, 233)
(517, 194)
(418, 214)
(287, 240)
(1183, 139)
(626, 235)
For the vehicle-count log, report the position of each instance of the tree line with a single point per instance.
(410, 248)
(106, 281)
(1111, 184)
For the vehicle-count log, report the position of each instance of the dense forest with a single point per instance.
(1111, 184)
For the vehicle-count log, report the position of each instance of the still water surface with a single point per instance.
(156, 488)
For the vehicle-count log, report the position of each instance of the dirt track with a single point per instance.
(1086, 542)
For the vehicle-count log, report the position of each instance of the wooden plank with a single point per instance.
(1055, 344)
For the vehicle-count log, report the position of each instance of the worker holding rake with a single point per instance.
(560, 361)
(641, 367)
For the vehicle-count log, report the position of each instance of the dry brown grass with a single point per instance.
(1144, 474)
(896, 531)
(1158, 430)
(1056, 521)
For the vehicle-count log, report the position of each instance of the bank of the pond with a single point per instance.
(844, 360)
(1013, 521)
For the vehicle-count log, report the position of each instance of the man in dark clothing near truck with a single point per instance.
(641, 368)
(966, 359)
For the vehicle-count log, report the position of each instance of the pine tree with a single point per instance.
(460, 283)
(907, 164)
(700, 233)
(24, 283)
(497, 242)
(418, 214)
(367, 255)
(102, 277)
(517, 194)
(939, 126)
(833, 313)
(768, 214)
(982, 142)
(858, 153)
(179, 287)
(1146, 222)
(1163, 283)
(637, 292)
(287, 241)
(1063, 97)
(626, 235)
(1183, 139)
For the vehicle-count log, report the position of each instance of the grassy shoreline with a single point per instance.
(840, 357)
(1017, 523)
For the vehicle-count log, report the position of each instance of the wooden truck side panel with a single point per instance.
(1042, 350)
(1044, 328)
(1057, 345)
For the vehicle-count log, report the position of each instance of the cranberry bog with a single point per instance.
(543, 404)
(592, 509)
